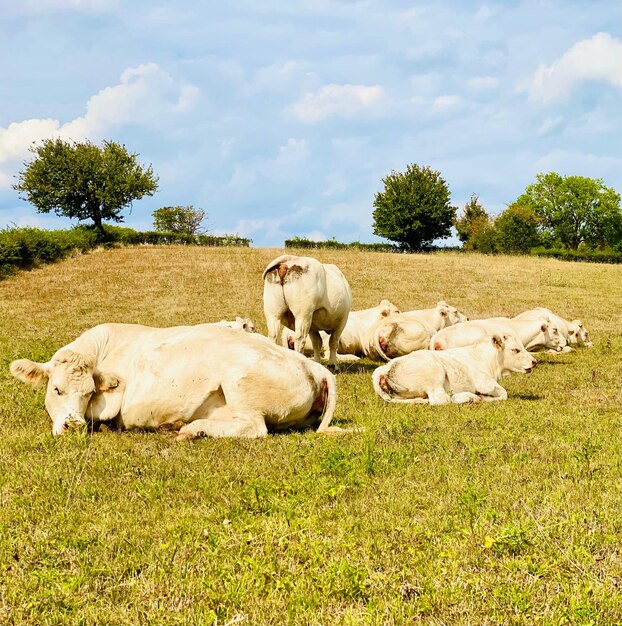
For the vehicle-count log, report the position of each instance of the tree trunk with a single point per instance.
(97, 220)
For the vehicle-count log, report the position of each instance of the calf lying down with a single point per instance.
(457, 375)
(203, 380)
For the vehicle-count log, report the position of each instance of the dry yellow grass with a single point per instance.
(497, 514)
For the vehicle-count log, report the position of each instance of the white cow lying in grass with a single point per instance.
(202, 380)
(306, 296)
(574, 332)
(457, 375)
(533, 334)
(406, 332)
(357, 337)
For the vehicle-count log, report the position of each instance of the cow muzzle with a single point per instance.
(69, 423)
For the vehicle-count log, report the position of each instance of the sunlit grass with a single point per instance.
(504, 513)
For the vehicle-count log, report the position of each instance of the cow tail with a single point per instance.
(278, 265)
(378, 347)
(379, 387)
(331, 403)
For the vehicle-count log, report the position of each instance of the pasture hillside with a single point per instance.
(504, 513)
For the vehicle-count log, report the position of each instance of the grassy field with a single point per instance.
(504, 513)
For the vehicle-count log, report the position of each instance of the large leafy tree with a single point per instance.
(576, 209)
(414, 209)
(516, 229)
(473, 220)
(84, 181)
(179, 219)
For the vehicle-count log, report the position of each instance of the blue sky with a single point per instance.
(281, 118)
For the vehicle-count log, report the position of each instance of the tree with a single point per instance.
(84, 181)
(473, 220)
(413, 210)
(179, 219)
(516, 229)
(576, 209)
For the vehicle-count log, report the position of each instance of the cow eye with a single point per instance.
(515, 350)
(57, 391)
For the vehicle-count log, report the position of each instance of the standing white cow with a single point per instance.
(574, 332)
(203, 380)
(306, 296)
(406, 332)
(533, 334)
(357, 337)
(457, 375)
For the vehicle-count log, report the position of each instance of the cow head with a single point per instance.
(550, 336)
(578, 335)
(72, 379)
(243, 323)
(387, 308)
(514, 356)
(450, 314)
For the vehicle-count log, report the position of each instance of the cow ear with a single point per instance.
(571, 331)
(105, 382)
(385, 312)
(30, 372)
(443, 313)
(544, 327)
(497, 342)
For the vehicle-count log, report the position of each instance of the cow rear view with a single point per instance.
(306, 296)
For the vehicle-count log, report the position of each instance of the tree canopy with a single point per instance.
(84, 181)
(179, 219)
(473, 219)
(576, 210)
(414, 209)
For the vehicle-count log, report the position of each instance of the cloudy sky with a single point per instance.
(281, 118)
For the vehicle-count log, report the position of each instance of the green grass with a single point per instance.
(503, 513)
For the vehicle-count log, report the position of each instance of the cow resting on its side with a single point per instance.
(533, 334)
(574, 332)
(457, 375)
(406, 332)
(203, 380)
(306, 296)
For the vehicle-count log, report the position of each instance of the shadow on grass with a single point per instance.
(545, 363)
(526, 396)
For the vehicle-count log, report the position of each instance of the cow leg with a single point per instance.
(250, 426)
(316, 342)
(490, 390)
(333, 342)
(438, 396)
(302, 326)
(464, 397)
(274, 327)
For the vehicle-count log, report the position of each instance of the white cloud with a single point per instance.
(316, 235)
(483, 82)
(143, 95)
(598, 58)
(442, 103)
(573, 162)
(337, 101)
(32, 7)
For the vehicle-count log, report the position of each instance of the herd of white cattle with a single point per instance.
(225, 380)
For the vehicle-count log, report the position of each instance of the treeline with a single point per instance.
(333, 244)
(24, 248)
